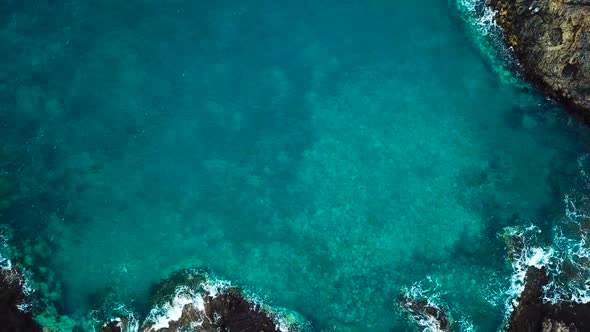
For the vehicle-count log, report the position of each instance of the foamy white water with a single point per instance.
(488, 36)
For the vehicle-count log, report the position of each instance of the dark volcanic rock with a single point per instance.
(112, 326)
(551, 40)
(532, 314)
(12, 319)
(424, 313)
(237, 314)
(191, 300)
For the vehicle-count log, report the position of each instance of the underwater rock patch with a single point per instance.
(551, 40)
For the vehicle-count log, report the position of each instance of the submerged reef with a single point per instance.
(534, 314)
(551, 41)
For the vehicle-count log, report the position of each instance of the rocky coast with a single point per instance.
(551, 42)
(187, 300)
(534, 314)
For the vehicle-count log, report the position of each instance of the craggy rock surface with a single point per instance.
(229, 311)
(551, 40)
(11, 296)
(191, 300)
(215, 309)
(531, 314)
(425, 314)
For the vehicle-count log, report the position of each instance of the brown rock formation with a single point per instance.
(532, 314)
(425, 314)
(12, 319)
(205, 308)
(229, 311)
(551, 40)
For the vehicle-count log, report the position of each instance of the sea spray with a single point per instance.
(489, 38)
(424, 305)
(524, 251)
(422, 302)
(566, 258)
(194, 298)
(569, 271)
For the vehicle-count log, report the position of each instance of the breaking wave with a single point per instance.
(524, 251)
(566, 257)
(424, 303)
(489, 38)
(427, 290)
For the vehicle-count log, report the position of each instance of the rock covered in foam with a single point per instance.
(423, 311)
(533, 314)
(14, 302)
(193, 300)
(535, 271)
(121, 324)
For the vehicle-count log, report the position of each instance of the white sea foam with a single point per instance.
(494, 290)
(488, 36)
(124, 317)
(428, 290)
(171, 310)
(481, 17)
(282, 324)
(563, 254)
(20, 276)
(582, 160)
(566, 259)
(286, 320)
(525, 252)
(24, 306)
(5, 263)
(465, 325)
(213, 287)
(569, 272)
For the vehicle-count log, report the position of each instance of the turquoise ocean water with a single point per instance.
(323, 154)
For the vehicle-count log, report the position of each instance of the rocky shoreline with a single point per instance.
(533, 314)
(12, 300)
(188, 300)
(551, 41)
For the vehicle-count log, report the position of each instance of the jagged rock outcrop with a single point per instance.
(192, 300)
(532, 314)
(424, 313)
(12, 300)
(189, 300)
(551, 40)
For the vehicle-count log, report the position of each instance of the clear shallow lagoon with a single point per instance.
(325, 153)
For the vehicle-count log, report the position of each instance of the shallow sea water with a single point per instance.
(323, 154)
